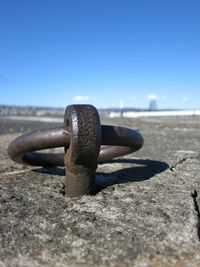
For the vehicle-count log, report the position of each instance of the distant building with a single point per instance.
(153, 105)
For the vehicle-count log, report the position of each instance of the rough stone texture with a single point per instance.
(145, 211)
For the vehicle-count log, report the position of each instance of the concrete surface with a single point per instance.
(145, 211)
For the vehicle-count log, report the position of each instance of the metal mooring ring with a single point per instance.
(86, 143)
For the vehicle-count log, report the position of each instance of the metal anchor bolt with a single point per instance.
(80, 159)
(86, 143)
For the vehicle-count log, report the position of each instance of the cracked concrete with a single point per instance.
(194, 195)
(142, 213)
(181, 161)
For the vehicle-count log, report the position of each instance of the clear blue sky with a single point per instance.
(103, 52)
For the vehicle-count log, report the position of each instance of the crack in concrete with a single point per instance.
(194, 195)
(181, 161)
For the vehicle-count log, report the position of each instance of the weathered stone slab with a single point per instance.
(142, 214)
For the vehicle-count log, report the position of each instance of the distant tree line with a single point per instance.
(6, 110)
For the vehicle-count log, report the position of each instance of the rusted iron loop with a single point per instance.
(115, 141)
(81, 136)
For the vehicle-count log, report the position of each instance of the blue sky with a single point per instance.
(104, 52)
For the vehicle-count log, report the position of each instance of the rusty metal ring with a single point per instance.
(116, 141)
(82, 136)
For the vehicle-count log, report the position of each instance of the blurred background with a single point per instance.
(133, 55)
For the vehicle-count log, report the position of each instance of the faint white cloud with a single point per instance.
(152, 97)
(82, 98)
(184, 99)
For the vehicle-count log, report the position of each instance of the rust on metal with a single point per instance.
(86, 143)
(80, 159)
